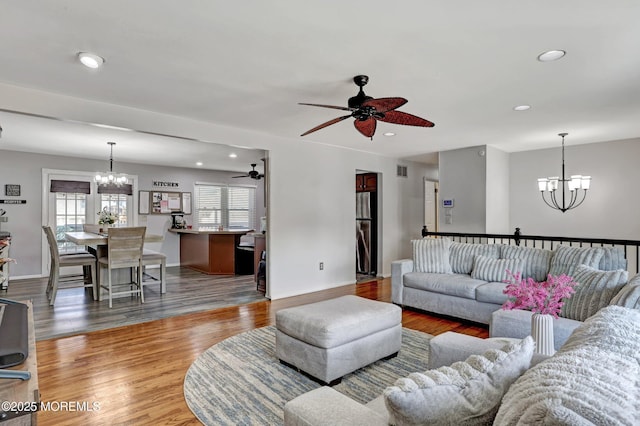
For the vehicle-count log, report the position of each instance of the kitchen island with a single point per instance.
(214, 252)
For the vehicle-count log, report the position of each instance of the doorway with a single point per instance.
(431, 205)
(366, 225)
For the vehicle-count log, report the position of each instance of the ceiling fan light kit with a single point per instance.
(253, 173)
(367, 111)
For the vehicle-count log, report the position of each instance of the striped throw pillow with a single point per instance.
(463, 255)
(594, 291)
(494, 270)
(629, 296)
(431, 255)
(566, 259)
(612, 259)
(535, 261)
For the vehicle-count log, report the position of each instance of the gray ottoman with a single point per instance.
(334, 337)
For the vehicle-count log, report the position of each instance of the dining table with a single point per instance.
(97, 243)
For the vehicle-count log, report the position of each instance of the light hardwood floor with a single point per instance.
(136, 372)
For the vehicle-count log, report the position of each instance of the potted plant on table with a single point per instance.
(105, 217)
(545, 299)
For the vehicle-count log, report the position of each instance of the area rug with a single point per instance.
(239, 381)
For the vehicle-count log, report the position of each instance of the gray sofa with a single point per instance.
(467, 281)
(595, 376)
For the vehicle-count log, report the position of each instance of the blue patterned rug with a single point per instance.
(239, 381)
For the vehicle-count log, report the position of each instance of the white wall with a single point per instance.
(463, 178)
(497, 190)
(612, 204)
(25, 220)
(311, 199)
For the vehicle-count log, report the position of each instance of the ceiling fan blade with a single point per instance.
(399, 117)
(329, 106)
(366, 127)
(328, 123)
(243, 176)
(385, 104)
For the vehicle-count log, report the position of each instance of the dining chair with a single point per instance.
(124, 250)
(150, 257)
(58, 261)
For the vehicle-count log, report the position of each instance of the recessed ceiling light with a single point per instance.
(90, 60)
(551, 55)
(388, 134)
(522, 107)
(199, 163)
(232, 155)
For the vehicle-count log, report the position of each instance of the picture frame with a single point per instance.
(12, 190)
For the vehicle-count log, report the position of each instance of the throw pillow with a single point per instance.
(463, 254)
(431, 255)
(594, 291)
(566, 259)
(629, 296)
(612, 259)
(536, 261)
(494, 270)
(467, 392)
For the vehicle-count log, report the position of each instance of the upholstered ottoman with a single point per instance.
(334, 337)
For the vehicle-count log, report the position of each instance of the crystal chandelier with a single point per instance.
(578, 186)
(110, 178)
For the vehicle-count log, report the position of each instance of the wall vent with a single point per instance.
(401, 171)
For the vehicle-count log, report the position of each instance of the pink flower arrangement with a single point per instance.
(546, 297)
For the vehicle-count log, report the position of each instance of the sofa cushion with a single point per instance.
(488, 269)
(536, 261)
(629, 296)
(591, 380)
(594, 291)
(612, 259)
(467, 392)
(492, 292)
(460, 285)
(431, 255)
(566, 259)
(462, 255)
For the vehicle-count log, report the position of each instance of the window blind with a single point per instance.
(70, 186)
(228, 206)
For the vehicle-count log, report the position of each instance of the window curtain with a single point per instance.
(70, 186)
(113, 189)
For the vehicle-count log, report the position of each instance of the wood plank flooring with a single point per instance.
(136, 372)
(75, 311)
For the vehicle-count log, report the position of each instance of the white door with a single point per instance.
(431, 205)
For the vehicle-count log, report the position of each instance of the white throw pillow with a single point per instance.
(431, 255)
(468, 392)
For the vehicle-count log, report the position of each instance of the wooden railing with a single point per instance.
(631, 248)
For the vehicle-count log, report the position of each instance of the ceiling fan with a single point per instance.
(367, 110)
(253, 173)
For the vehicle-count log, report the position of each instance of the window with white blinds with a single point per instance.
(228, 206)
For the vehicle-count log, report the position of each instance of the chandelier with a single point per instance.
(110, 178)
(578, 186)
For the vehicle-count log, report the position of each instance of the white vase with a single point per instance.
(542, 332)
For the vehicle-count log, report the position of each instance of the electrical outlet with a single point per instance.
(322, 266)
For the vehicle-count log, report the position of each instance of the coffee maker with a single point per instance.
(178, 221)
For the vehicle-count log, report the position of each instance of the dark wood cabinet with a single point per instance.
(366, 182)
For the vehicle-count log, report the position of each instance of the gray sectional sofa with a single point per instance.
(595, 377)
(466, 281)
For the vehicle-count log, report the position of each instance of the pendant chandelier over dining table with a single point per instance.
(111, 178)
(578, 186)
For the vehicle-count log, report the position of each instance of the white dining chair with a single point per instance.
(59, 261)
(124, 250)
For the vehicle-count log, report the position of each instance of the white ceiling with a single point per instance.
(461, 64)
